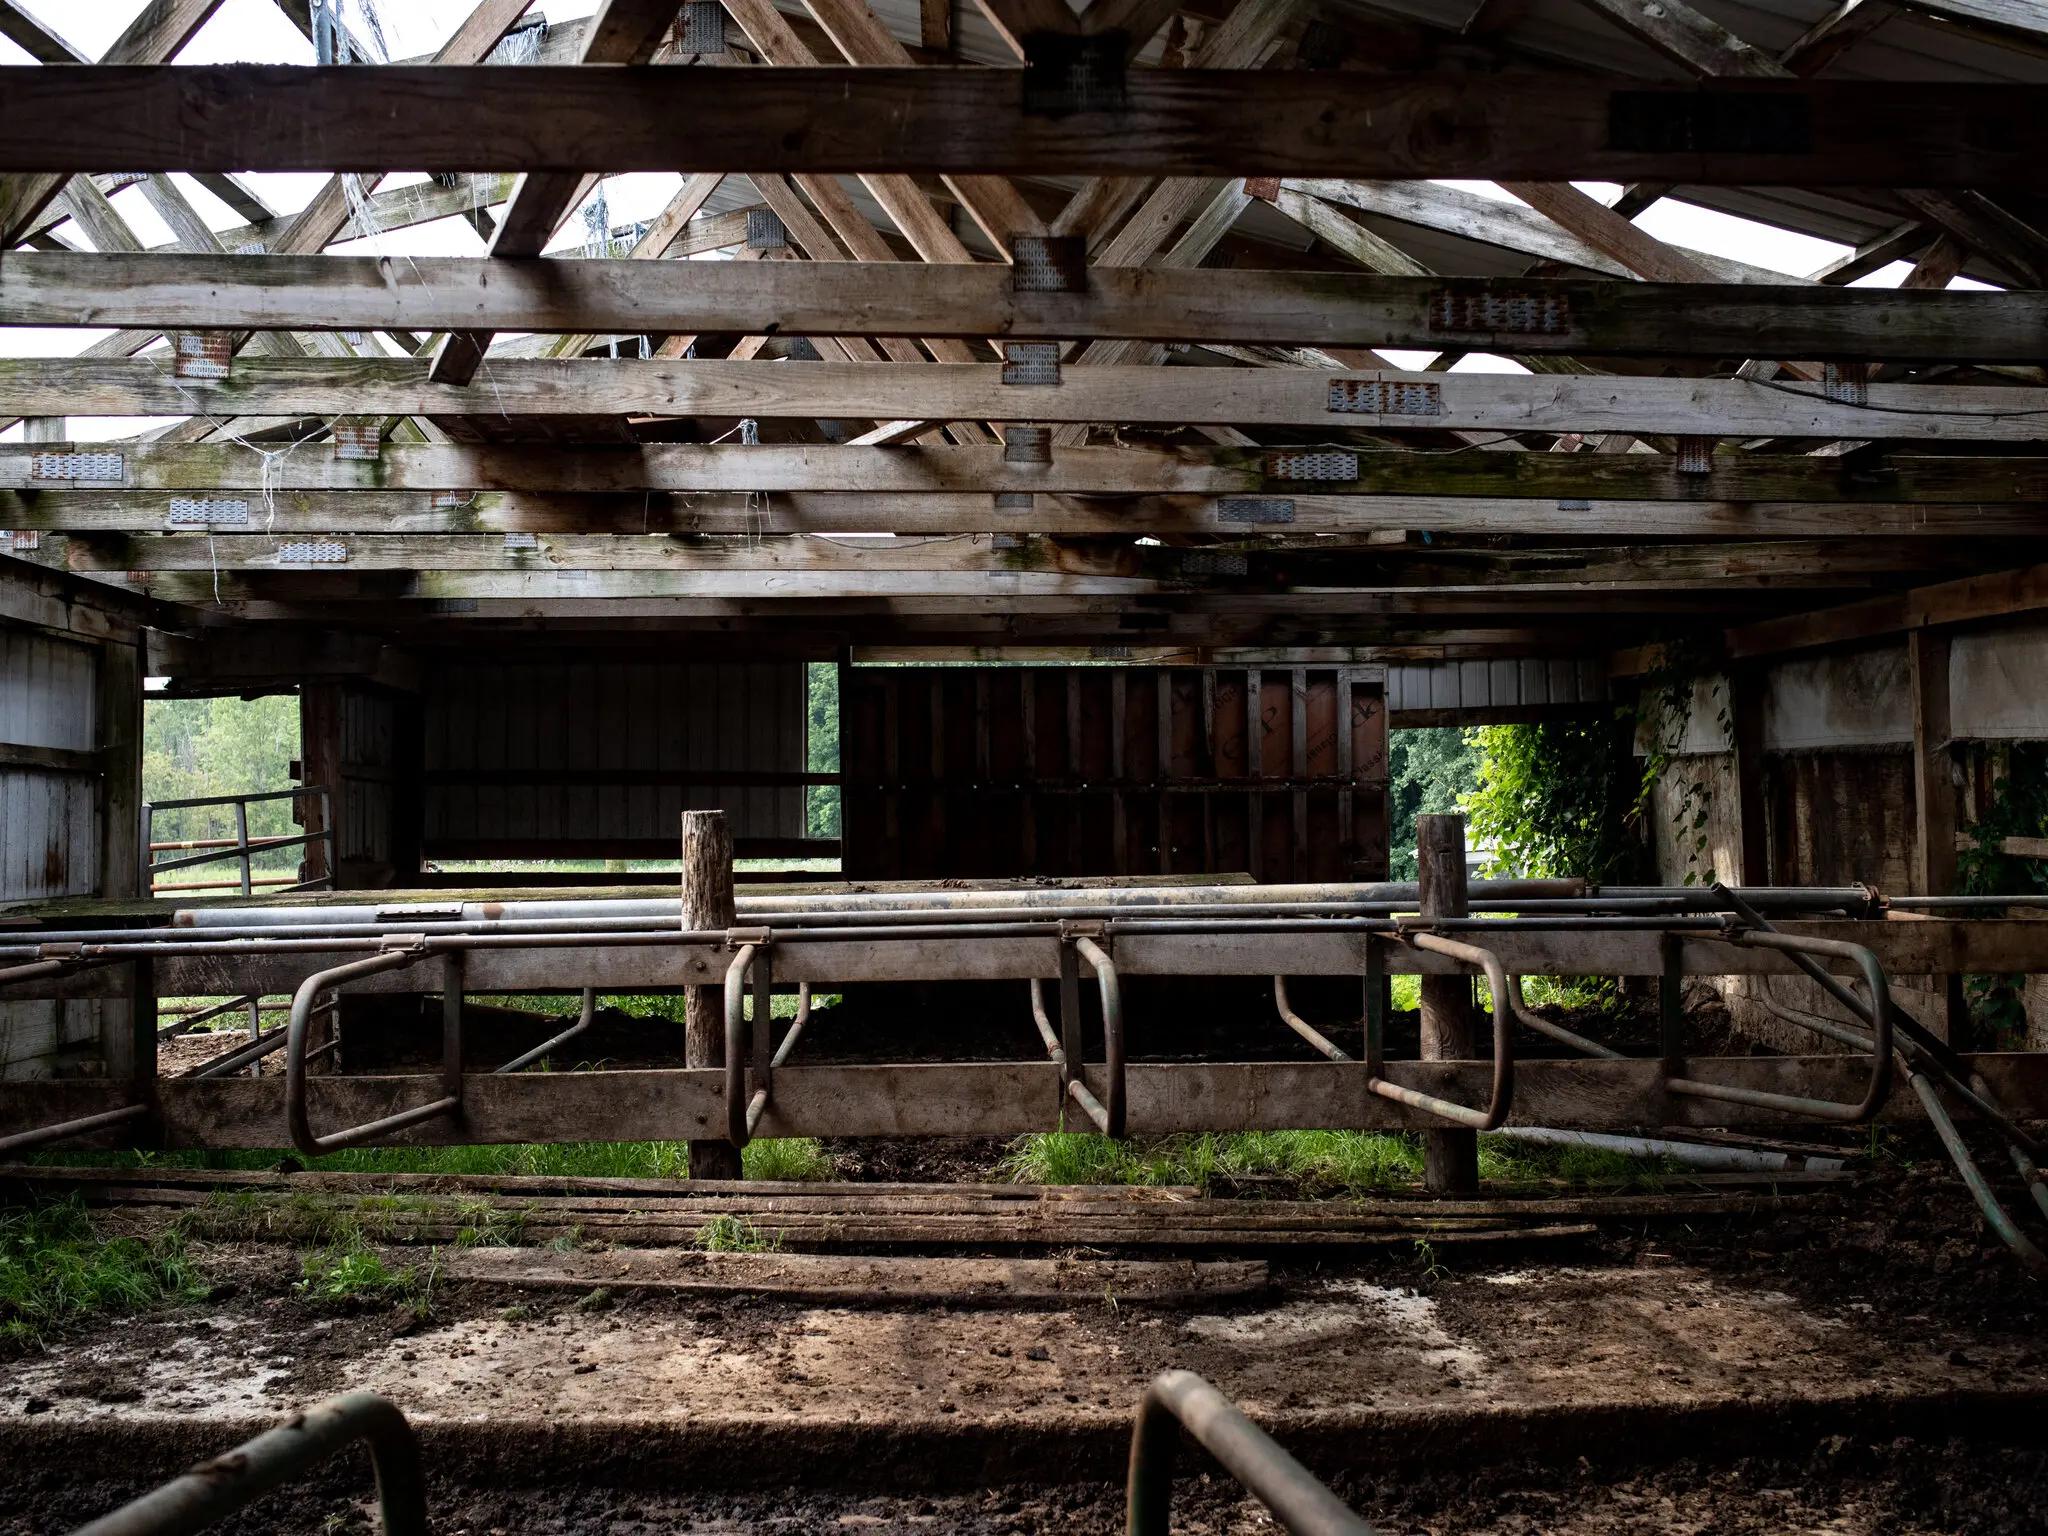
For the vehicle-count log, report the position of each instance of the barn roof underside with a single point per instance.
(1155, 329)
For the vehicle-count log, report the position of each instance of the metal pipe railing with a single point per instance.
(1502, 1096)
(584, 1019)
(241, 847)
(450, 1101)
(1301, 1026)
(1178, 1400)
(234, 1481)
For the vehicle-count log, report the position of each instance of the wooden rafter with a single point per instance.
(977, 122)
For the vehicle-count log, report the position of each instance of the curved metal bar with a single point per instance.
(234, 1481)
(1112, 1121)
(584, 1019)
(1518, 1003)
(1181, 1399)
(1995, 1215)
(296, 1030)
(759, 1102)
(736, 1129)
(1044, 1022)
(1301, 1026)
(64, 1130)
(1879, 1012)
(1502, 1097)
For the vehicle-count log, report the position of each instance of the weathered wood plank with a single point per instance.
(1175, 122)
(837, 512)
(1376, 401)
(1733, 479)
(981, 1099)
(1680, 315)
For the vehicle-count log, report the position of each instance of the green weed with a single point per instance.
(56, 1268)
(735, 1234)
(785, 1157)
(356, 1276)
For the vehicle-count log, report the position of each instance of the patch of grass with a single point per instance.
(1323, 1159)
(1506, 1160)
(353, 1275)
(735, 1234)
(785, 1157)
(56, 1268)
(488, 1225)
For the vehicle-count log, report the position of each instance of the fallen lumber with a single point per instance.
(860, 1278)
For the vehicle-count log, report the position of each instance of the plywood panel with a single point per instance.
(1278, 772)
(581, 755)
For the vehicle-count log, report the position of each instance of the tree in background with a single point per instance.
(821, 801)
(1558, 799)
(199, 747)
(1431, 771)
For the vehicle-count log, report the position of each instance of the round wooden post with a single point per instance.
(707, 904)
(1450, 1159)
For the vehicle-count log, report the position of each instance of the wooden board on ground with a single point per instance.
(859, 1278)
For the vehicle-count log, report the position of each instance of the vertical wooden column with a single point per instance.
(1934, 800)
(707, 903)
(130, 1052)
(1746, 713)
(1450, 1159)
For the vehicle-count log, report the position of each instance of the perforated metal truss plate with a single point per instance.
(1574, 505)
(1048, 263)
(1846, 383)
(703, 27)
(1265, 188)
(1255, 509)
(201, 354)
(1027, 445)
(208, 512)
(1013, 501)
(1316, 464)
(357, 438)
(1690, 120)
(1209, 562)
(522, 541)
(1501, 312)
(1006, 541)
(312, 552)
(1385, 397)
(451, 605)
(1695, 455)
(99, 468)
(20, 538)
(447, 501)
(1031, 362)
(765, 229)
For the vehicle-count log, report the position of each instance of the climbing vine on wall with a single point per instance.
(1669, 694)
(2018, 807)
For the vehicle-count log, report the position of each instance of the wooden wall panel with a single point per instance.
(583, 756)
(1016, 771)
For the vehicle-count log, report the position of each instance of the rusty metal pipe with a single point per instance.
(583, 1021)
(296, 1115)
(736, 1126)
(231, 1482)
(1181, 1399)
(1502, 1097)
(1301, 1026)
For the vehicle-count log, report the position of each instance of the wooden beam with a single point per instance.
(982, 1099)
(973, 121)
(2020, 16)
(968, 512)
(1952, 602)
(1687, 37)
(1748, 494)
(1170, 397)
(36, 39)
(1679, 315)
(1934, 790)
(620, 32)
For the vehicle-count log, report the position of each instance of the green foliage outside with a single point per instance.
(1430, 772)
(2018, 808)
(354, 1275)
(200, 747)
(56, 1268)
(735, 1234)
(821, 801)
(1555, 798)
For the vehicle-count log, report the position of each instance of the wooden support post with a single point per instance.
(707, 904)
(1450, 1158)
(1746, 712)
(1934, 797)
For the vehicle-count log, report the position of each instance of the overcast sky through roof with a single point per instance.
(257, 31)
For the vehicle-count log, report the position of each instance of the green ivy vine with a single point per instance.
(2018, 808)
